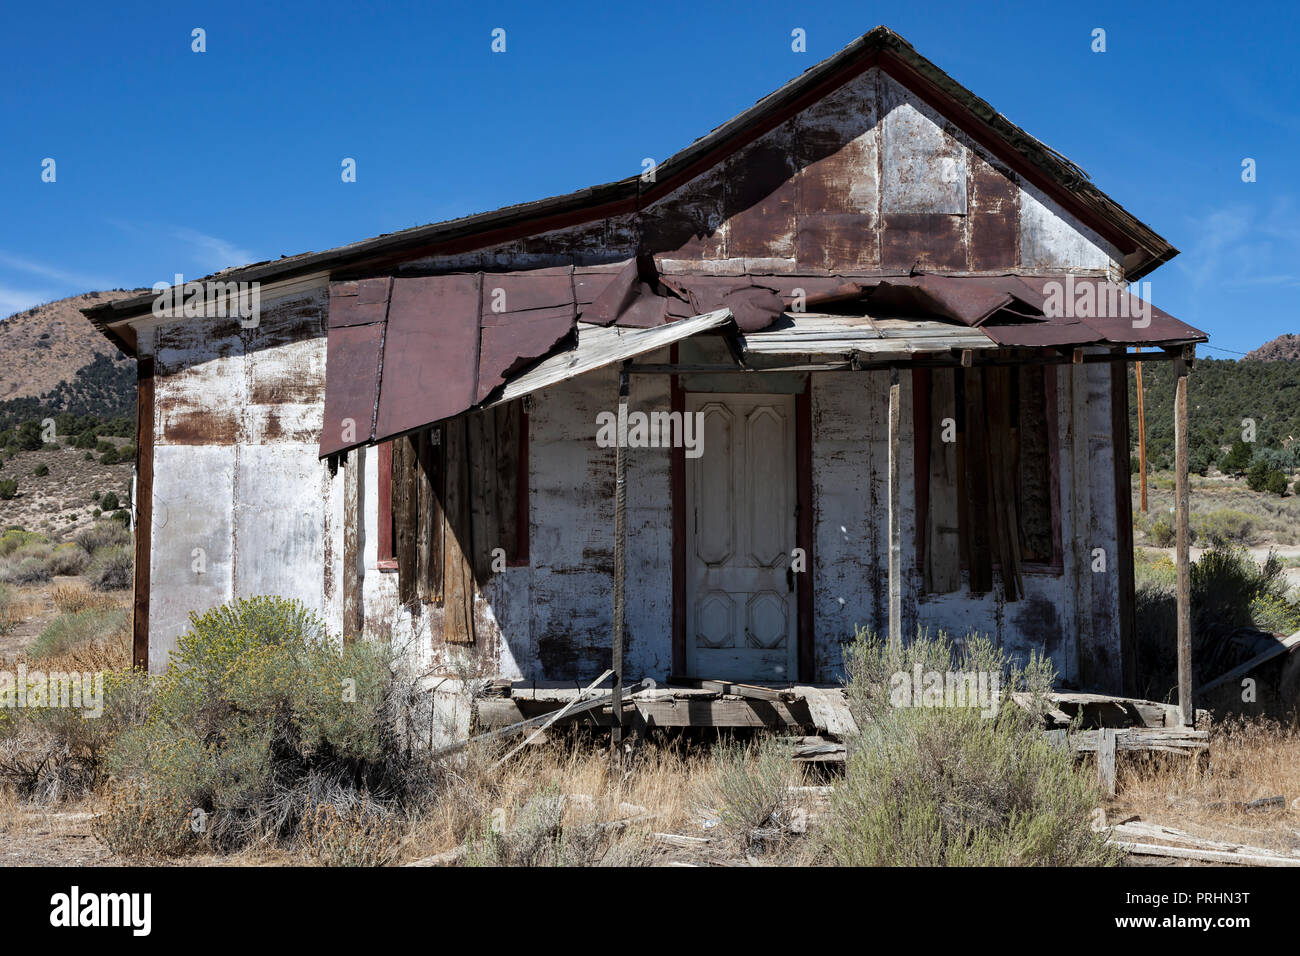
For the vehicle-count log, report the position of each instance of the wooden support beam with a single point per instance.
(1181, 544)
(352, 566)
(1106, 760)
(143, 507)
(895, 513)
(620, 569)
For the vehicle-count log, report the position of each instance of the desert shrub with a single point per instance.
(8, 488)
(126, 453)
(109, 457)
(41, 470)
(103, 534)
(259, 718)
(108, 501)
(1275, 613)
(750, 788)
(8, 619)
(956, 785)
(1226, 526)
(68, 558)
(86, 439)
(543, 833)
(15, 538)
(121, 517)
(55, 753)
(67, 632)
(25, 570)
(1276, 484)
(354, 831)
(110, 569)
(1162, 533)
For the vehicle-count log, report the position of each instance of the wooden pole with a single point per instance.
(1142, 438)
(620, 568)
(1181, 508)
(895, 515)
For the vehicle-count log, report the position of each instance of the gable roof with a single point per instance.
(1038, 163)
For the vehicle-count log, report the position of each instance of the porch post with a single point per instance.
(620, 567)
(895, 515)
(1181, 506)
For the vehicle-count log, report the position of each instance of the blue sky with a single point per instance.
(172, 161)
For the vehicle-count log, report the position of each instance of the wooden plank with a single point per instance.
(665, 712)
(620, 572)
(1206, 856)
(485, 521)
(508, 486)
(405, 515)
(752, 691)
(942, 560)
(1005, 534)
(1128, 648)
(1284, 646)
(895, 513)
(979, 534)
(143, 504)
(429, 507)
(1106, 760)
(804, 533)
(1181, 545)
(457, 569)
(352, 522)
(555, 717)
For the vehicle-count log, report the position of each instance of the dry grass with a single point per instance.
(73, 598)
(663, 782)
(1248, 760)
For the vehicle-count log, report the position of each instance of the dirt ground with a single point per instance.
(60, 504)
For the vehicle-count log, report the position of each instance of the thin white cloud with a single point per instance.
(1242, 245)
(80, 281)
(212, 252)
(20, 300)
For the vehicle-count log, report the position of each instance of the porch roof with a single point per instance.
(408, 351)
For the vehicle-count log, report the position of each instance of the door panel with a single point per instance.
(742, 620)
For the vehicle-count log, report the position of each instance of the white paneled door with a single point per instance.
(741, 620)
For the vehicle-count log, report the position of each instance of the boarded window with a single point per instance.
(457, 509)
(985, 459)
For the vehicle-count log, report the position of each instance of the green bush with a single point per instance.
(955, 785)
(1257, 475)
(1276, 484)
(103, 534)
(750, 788)
(15, 538)
(109, 457)
(30, 569)
(68, 558)
(110, 569)
(86, 439)
(1162, 533)
(8, 488)
(108, 501)
(1226, 526)
(69, 632)
(258, 715)
(41, 470)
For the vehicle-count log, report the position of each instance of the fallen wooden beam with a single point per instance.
(751, 691)
(1205, 856)
(558, 715)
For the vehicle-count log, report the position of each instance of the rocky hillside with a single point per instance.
(1284, 348)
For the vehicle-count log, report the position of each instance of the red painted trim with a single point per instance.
(678, 482)
(803, 464)
(387, 559)
(522, 527)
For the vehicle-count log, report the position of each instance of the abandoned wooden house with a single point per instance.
(856, 358)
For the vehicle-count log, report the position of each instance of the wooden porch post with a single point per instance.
(895, 515)
(1181, 506)
(620, 567)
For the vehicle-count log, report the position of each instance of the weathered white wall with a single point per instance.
(239, 498)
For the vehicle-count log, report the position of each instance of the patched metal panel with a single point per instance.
(1052, 241)
(923, 168)
(199, 380)
(191, 566)
(279, 522)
